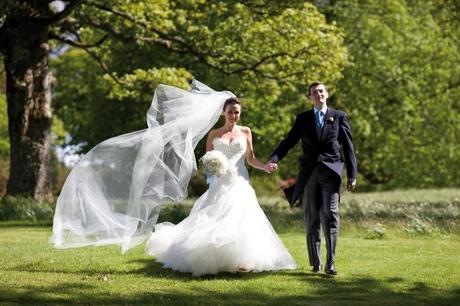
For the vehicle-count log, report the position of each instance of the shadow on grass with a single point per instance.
(319, 290)
(150, 268)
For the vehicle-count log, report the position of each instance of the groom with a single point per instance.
(324, 132)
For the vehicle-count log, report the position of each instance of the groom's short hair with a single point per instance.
(314, 84)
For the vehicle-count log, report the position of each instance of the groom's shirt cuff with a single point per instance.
(274, 159)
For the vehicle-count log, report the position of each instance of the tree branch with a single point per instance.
(87, 49)
(260, 62)
(189, 49)
(144, 24)
(176, 44)
(165, 43)
(57, 17)
(78, 44)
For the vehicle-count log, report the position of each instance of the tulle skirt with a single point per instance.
(225, 231)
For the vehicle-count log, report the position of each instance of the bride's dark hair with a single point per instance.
(231, 101)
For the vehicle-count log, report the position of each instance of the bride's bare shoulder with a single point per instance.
(216, 132)
(245, 129)
(213, 133)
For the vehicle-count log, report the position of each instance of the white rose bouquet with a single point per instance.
(214, 163)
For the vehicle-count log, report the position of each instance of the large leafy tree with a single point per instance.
(4, 143)
(402, 89)
(57, 136)
(262, 50)
(24, 43)
(265, 56)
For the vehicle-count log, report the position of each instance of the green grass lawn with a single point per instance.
(396, 270)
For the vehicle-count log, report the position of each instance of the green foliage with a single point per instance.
(61, 171)
(94, 108)
(174, 213)
(376, 232)
(4, 139)
(264, 184)
(440, 207)
(402, 90)
(393, 65)
(197, 185)
(25, 209)
(137, 86)
(7, 7)
(264, 55)
(420, 226)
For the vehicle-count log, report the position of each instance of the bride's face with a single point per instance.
(232, 113)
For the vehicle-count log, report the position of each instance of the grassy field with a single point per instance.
(396, 270)
(412, 260)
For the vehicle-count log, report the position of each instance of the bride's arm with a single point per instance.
(250, 156)
(209, 145)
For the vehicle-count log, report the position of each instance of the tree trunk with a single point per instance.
(26, 50)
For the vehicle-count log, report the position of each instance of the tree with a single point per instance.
(4, 143)
(402, 89)
(58, 134)
(24, 35)
(206, 35)
(265, 56)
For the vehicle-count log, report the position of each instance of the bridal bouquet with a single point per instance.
(214, 163)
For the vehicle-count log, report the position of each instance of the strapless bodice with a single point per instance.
(235, 151)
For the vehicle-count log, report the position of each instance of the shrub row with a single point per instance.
(24, 209)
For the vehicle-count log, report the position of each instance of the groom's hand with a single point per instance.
(271, 166)
(267, 169)
(351, 185)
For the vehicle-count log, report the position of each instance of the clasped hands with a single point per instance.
(271, 167)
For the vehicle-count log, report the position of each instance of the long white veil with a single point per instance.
(114, 193)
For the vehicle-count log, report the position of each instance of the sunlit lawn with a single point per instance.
(396, 270)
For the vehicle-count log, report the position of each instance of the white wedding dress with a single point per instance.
(115, 193)
(226, 229)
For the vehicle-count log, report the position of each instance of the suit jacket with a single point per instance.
(324, 147)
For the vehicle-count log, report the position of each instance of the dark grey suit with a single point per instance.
(320, 174)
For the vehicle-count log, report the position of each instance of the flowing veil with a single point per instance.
(114, 193)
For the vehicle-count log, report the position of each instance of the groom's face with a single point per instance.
(318, 95)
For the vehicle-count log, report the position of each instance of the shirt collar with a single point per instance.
(324, 109)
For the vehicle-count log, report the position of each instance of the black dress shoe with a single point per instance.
(330, 270)
(316, 269)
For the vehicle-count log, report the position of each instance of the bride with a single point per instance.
(115, 192)
(226, 229)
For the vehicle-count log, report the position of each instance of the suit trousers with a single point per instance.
(321, 208)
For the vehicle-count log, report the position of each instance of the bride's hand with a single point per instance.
(270, 167)
(267, 169)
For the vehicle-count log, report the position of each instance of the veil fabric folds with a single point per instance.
(114, 193)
